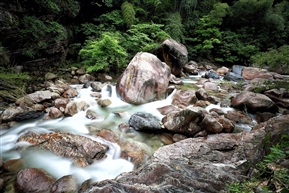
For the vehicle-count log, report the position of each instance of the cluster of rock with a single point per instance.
(197, 161)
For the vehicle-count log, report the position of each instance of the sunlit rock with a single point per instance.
(70, 93)
(145, 79)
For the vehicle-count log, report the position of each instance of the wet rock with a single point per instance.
(254, 102)
(36, 97)
(228, 126)
(201, 103)
(70, 93)
(184, 122)
(104, 102)
(28, 115)
(250, 73)
(231, 76)
(97, 95)
(82, 105)
(264, 116)
(54, 113)
(50, 76)
(175, 80)
(175, 55)
(64, 184)
(10, 113)
(96, 86)
(238, 70)
(145, 79)
(212, 74)
(33, 180)
(80, 71)
(210, 86)
(184, 98)
(279, 96)
(211, 125)
(179, 137)
(238, 117)
(91, 114)
(167, 109)
(144, 122)
(191, 68)
(82, 150)
(61, 102)
(13, 165)
(222, 71)
(71, 109)
(85, 78)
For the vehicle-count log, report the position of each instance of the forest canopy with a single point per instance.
(69, 31)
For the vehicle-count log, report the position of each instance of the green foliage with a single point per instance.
(144, 37)
(12, 84)
(128, 13)
(174, 26)
(207, 33)
(103, 54)
(39, 35)
(68, 7)
(274, 58)
(271, 84)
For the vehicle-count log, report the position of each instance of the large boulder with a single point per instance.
(250, 73)
(204, 164)
(145, 79)
(33, 180)
(185, 121)
(67, 145)
(175, 55)
(253, 102)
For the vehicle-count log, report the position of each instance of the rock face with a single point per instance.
(145, 79)
(254, 102)
(175, 55)
(67, 145)
(198, 164)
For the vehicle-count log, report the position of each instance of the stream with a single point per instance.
(109, 118)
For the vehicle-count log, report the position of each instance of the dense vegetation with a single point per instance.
(103, 35)
(223, 32)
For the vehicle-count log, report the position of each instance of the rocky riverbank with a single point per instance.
(203, 149)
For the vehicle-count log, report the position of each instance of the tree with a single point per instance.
(103, 54)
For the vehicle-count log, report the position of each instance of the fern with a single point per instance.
(128, 13)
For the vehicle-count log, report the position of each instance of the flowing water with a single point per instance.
(109, 118)
(57, 166)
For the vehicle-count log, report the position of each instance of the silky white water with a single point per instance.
(108, 168)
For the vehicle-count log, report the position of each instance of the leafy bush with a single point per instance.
(274, 58)
(103, 54)
(271, 84)
(144, 37)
